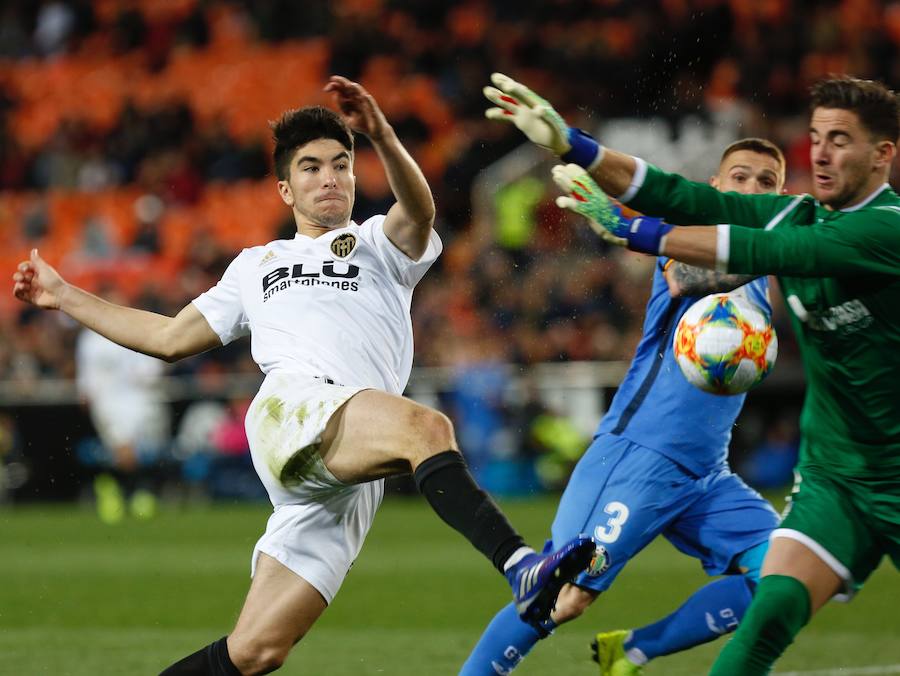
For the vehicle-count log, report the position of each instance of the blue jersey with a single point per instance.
(657, 407)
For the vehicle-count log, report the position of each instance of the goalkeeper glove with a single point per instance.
(536, 118)
(584, 197)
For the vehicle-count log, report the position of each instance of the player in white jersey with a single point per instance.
(123, 393)
(328, 313)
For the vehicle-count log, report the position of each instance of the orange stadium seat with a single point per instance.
(177, 228)
(243, 214)
(237, 82)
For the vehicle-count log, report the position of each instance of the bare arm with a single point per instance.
(694, 245)
(687, 280)
(409, 222)
(168, 338)
(615, 172)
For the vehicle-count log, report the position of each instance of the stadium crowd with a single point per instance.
(542, 299)
(134, 154)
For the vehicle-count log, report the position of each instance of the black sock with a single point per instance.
(448, 486)
(213, 660)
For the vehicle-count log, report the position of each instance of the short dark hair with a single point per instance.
(296, 128)
(876, 106)
(756, 145)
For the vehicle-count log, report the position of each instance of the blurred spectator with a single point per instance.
(538, 281)
(97, 242)
(129, 29)
(212, 446)
(148, 211)
(97, 172)
(15, 41)
(561, 443)
(771, 463)
(55, 23)
(13, 466)
(193, 443)
(232, 475)
(476, 403)
(35, 221)
(549, 444)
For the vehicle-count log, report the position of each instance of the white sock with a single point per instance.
(636, 656)
(517, 556)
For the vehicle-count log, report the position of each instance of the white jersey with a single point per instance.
(334, 306)
(124, 391)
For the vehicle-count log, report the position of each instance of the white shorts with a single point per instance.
(319, 523)
(122, 420)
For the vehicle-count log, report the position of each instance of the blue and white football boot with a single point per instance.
(537, 579)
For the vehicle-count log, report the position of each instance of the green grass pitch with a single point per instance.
(80, 598)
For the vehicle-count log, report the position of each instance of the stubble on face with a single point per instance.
(842, 155)
(330, 216)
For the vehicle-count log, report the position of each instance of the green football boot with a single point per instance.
(110, 501)
(143, 504)
(609, 652)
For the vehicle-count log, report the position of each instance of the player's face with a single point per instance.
(750, 173)
(847, 164)
(321, 185)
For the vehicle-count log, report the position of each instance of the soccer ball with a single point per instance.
(725, 344)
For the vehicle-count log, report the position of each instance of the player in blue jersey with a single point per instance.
(658, 466)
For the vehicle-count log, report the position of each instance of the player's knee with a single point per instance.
(434, 429)
(258, 655)
(572, 602)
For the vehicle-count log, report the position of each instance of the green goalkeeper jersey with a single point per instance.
(840, 274)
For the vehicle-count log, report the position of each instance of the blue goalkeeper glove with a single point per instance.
(536, 118)
(584, 197)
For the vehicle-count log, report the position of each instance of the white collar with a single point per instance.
(298, 236)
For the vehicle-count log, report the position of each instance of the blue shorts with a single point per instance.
(625, 495)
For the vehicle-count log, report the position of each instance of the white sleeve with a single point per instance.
(637, 180)
(407, 271)
(222, 306)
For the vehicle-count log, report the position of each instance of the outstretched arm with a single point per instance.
(623, 177)
(863, 242)
(694, 245)
(615, 172)
(168, 338)
(535, 117)
(409, 222)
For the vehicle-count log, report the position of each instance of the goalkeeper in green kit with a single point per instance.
(837, 256)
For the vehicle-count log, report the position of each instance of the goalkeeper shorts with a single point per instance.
(850, 525)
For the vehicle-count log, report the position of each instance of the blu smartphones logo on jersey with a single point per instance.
(335, 275)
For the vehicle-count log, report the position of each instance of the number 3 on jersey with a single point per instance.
(613, 529)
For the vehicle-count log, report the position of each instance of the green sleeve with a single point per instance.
(864, 242)
(684, 202)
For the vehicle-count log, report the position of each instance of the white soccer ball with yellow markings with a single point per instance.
(725, 344)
